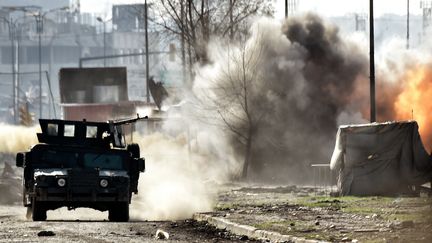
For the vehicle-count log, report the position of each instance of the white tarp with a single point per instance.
(380, 158)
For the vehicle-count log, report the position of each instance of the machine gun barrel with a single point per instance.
(127, 121)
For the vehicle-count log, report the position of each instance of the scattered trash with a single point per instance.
(161, 235)
(46, 233)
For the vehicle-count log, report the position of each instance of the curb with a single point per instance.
(249, 231)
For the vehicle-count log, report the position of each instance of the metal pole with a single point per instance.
(39, 30)
(408, 15)
(147, 55)
(17, 73)
(12, 39)
(104, 42)
(372, 63)
(286, 8)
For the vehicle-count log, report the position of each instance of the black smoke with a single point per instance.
(308, 81)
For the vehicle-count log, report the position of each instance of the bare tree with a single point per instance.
(194, 22)
(235, 96)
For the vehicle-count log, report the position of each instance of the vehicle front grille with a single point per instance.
(79, 178)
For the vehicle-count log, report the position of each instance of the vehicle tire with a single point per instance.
(38, 211)
(119, 212)
(134, 149)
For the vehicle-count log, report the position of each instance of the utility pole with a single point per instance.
(372, 63)
(12, 36)
(39, 30)
(104, 37)
(39, 17)
(147, 51)
(408, 15)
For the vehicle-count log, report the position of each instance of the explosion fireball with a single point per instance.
(413, 101)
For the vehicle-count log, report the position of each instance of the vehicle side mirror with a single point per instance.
(141, 164)
(20, 159)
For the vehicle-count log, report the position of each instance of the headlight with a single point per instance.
(103, 183)
(61, 182)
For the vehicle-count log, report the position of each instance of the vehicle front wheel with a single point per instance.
(119, 212)
(39, 213)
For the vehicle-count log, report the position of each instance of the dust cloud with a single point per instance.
(180, 178)
(14, 139)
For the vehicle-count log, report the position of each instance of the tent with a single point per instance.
(380, 158)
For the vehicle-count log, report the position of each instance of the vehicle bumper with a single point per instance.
(82, 194)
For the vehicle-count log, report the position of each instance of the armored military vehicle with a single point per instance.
(81, 164)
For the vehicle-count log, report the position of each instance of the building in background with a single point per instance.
(68, 36)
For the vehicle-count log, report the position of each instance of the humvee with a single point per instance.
(81, 164)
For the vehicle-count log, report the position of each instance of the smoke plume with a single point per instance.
(304, 75)
(290, 85)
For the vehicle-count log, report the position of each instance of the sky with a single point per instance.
(323, 7)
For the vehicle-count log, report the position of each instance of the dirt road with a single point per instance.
(85, 225)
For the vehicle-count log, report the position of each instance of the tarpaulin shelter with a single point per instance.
(380, 158)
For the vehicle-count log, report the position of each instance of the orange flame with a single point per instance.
(414, 102)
